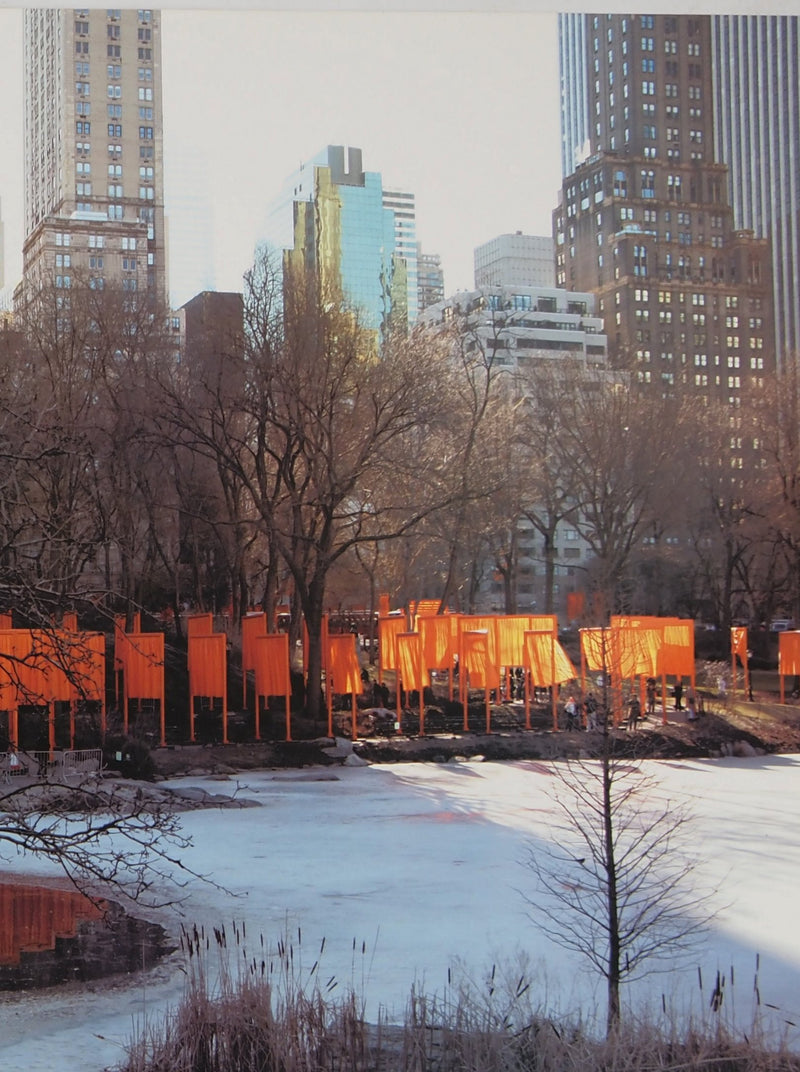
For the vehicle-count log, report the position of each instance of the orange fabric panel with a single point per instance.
(383, 605)
(477, 658)
(119, 642)
(388, 628)
(201, 625)
(33, 671)
(343, 667)
(547, 661)
(272, 664)
(635, 651)
(596, 648)
(69, 621)
(89, 670)
(739, 640)
(576, 602)
(481, 623)
(75, 665)
(119, 632)
(253, 625)
(409, 660)
(55, 656)
(5, 621)
(207, 665)
(424, 608)
(511, 630)
(789, 653)
(14, 646)
(436, 638)
(677, 652)
(144, 665)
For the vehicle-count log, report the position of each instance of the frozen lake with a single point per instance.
(421, 866)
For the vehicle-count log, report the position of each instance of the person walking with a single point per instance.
(634, 713)
(591, 712)
(651, 696)
(678, 693)
(691, 704)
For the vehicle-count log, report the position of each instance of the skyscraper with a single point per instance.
(645, 221)
(430, 279)
(402, 204)
(332, 218)
(756, 75)
(719, 89)
(94, 200)
(515, 258)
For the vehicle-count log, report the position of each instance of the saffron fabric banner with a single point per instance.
(788, 653)
(388, 628)
(253, 625)
(200, 625)
(409, 661)
(511, 630)
(207, 665)
(739, 641)
(438, 644)
(342, 664)
(476, 657)
(547, 661)
(144, 666)
(272, 665)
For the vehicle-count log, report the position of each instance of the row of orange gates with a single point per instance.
(45, 667)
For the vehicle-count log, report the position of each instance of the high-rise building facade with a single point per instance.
(517, 259)
(704, 89)
(430, 279)
(756, 85)
(332, 219)
(403, 205)
(93, 144)
(645, 221)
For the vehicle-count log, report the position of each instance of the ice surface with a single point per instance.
(421, 865)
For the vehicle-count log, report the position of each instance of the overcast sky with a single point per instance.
(460, 108)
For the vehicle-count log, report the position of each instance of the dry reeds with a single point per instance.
(263, 1011)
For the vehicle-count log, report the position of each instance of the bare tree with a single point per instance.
(616, 451)
(108, 839)
(615, 883)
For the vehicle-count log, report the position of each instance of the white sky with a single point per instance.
(423, 864)
(458, 107)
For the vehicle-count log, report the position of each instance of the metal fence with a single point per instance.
(56, 765)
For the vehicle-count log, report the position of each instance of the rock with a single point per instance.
(744, 749)
(355, 761)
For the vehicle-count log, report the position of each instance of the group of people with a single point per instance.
(574, 710)
(694, 707)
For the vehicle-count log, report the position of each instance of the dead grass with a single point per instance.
(261, 1010)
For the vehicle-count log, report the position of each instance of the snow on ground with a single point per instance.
(421, 866)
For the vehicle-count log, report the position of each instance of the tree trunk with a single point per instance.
(613, 966)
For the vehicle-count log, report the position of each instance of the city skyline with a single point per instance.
(420, 93)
